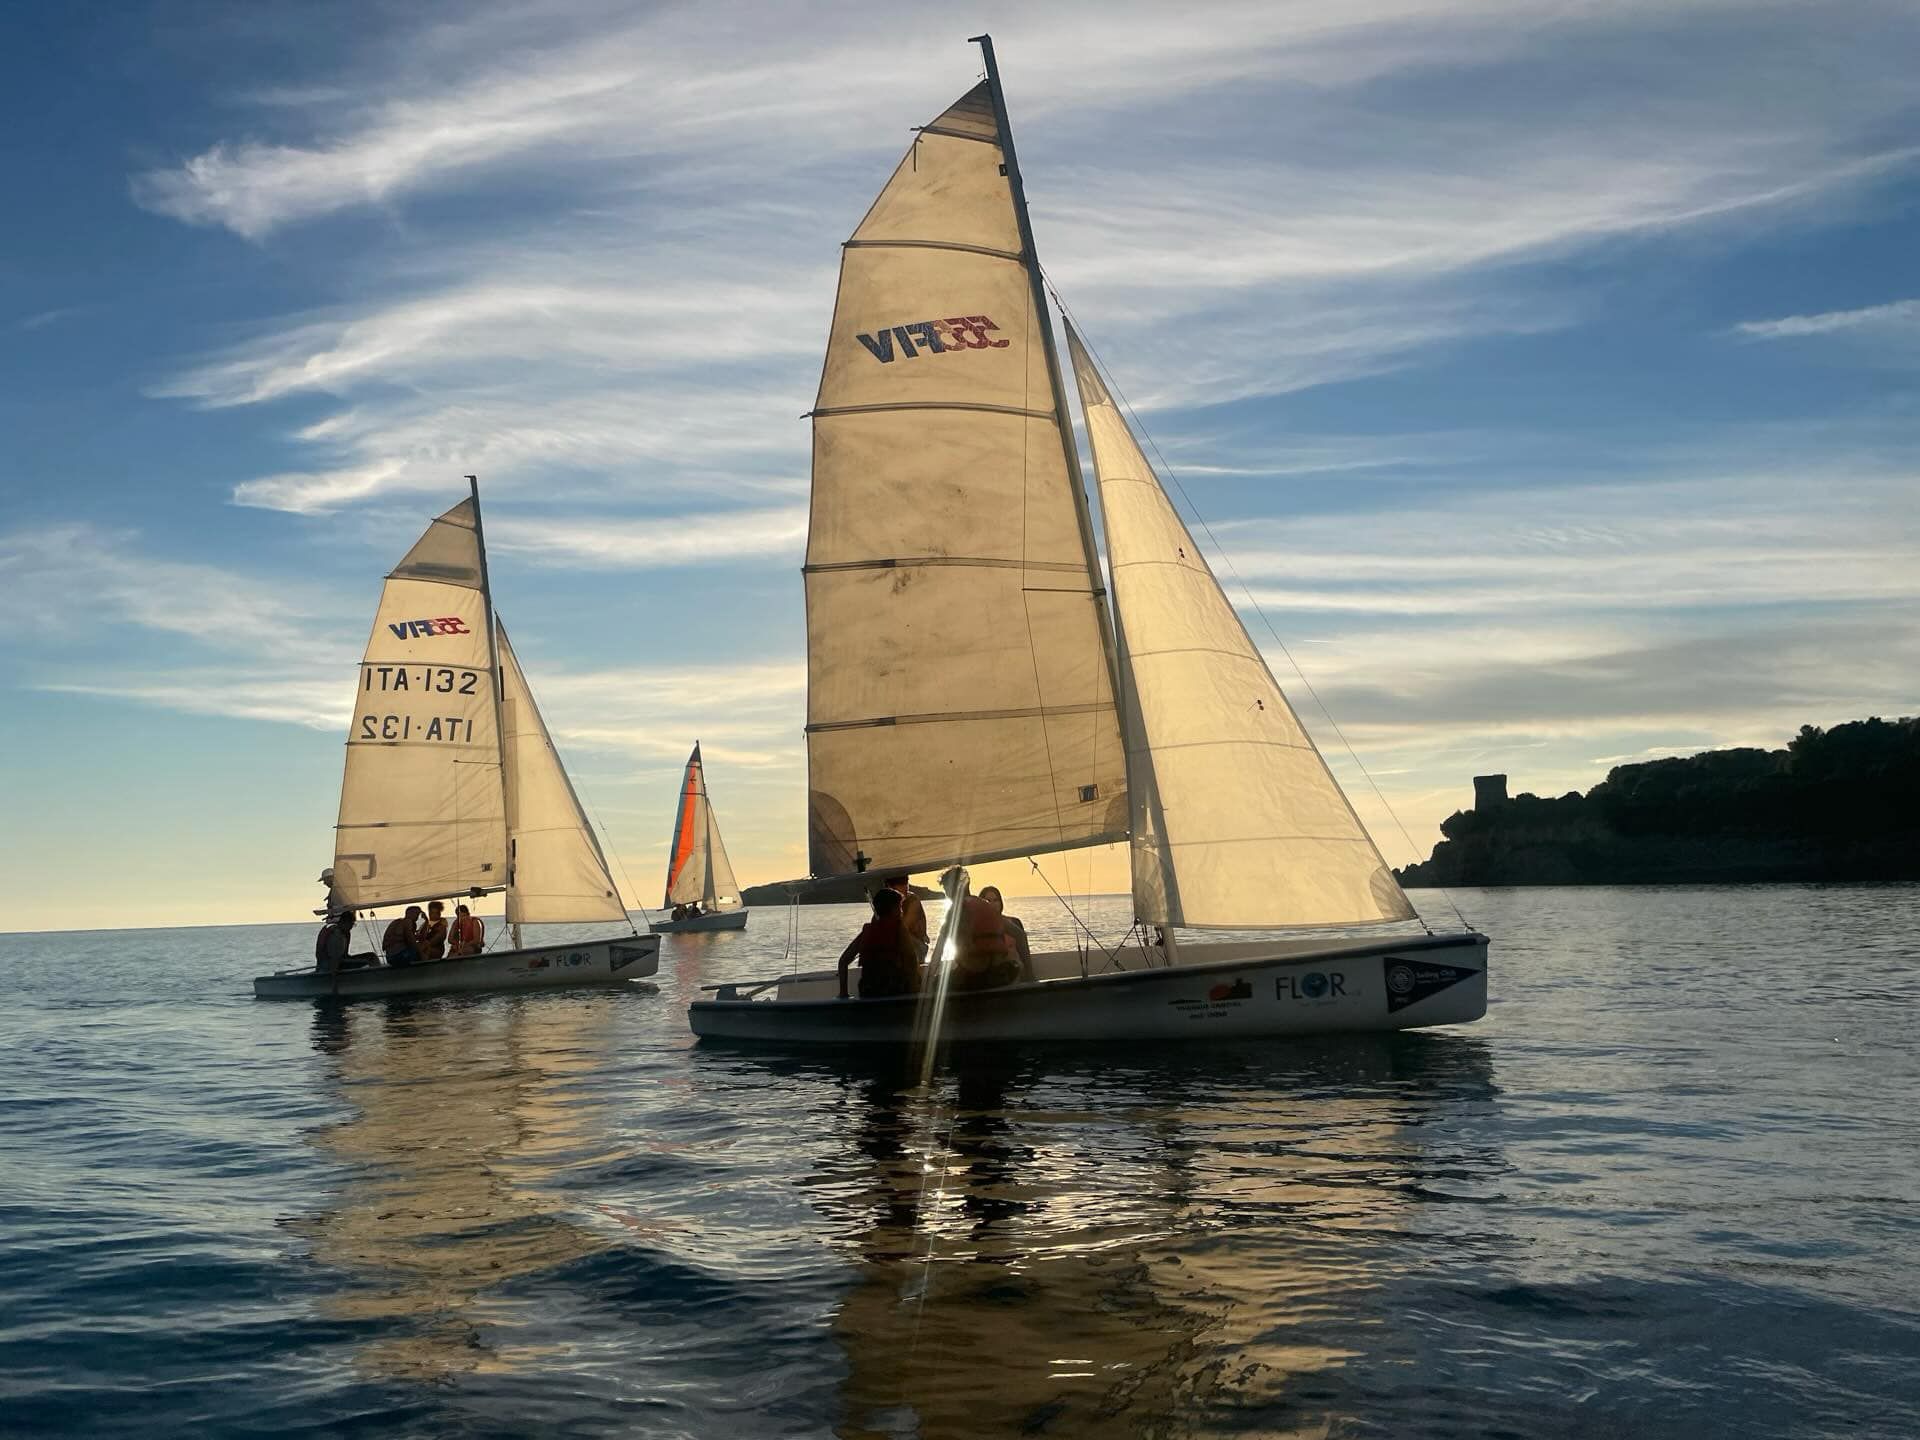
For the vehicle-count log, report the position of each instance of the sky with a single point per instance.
(1545, 373)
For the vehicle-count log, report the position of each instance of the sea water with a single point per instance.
(1670, 1186)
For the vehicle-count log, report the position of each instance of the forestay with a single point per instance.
(421, 806)
(959, 705)
(1237, 822)
(558, 872)
(697, 868)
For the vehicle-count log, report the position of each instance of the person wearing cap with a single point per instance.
(336, 902)
(913, 915)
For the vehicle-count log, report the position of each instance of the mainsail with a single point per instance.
(557, 871)
(422, 812)
(959, 703)
(1237, 823)
(698, 868)
(452, 784)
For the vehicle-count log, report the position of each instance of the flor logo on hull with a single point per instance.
(937, 337)
(416, 629)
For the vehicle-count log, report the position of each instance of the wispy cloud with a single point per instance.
(1897, 315)
(708, 538)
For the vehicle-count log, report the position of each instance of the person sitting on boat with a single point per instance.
(1016, 931)
(331, 945)
(913, 915)
(433, 935)
(469, 933)
(888, 965)
(401, 943)
(679, 912)
(984, 958)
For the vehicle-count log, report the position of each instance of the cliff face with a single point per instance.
(1839, 804)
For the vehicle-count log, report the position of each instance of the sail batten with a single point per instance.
(1236, 821)
(959, 696)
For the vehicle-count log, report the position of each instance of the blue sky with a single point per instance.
(1546, 371)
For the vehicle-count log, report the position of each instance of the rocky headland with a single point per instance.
(1838, 804)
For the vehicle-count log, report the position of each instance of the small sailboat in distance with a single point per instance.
(701, 891)
(452, 790)
(971, 695)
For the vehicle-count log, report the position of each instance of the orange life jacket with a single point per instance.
(468, 930)
(983, 934)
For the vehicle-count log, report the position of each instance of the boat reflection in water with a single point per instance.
(1148, 1245)
(458, 1117)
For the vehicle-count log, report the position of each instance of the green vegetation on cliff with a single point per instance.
(1839, 804)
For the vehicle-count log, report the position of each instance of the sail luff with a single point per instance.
(493, 657)
(1063, 418)
(1238, 823)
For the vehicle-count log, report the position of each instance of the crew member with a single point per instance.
(401, 943)
(433, 935)
(1016, 932)
(984, 958)
(469, 932)
(913, 915)
(888, 965)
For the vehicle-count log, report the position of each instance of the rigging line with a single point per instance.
(1067, 905)
(602, 826)
(1254, 604)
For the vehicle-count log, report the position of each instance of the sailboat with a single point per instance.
(972, 696)
(698, 873)
(453, 790)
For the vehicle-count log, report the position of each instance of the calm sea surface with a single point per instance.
(1670, 1186)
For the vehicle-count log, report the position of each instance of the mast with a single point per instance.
(493, 660)
(1063, 420)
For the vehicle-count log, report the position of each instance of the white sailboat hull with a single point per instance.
(547, 967)
(721, 920)
(1277, 989)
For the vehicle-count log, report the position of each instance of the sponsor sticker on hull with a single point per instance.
(1226, 996)
(1315, 987)
(1411, 981)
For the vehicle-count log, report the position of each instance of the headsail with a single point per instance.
(421, 807)
(697, 868)
(959, 701)
(1237, 822)
(558, 872)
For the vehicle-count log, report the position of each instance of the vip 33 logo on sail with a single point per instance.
(427, 629)
(935, 337)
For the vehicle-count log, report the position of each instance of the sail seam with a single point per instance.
(1268, 839)
(993, 140)
(981, 561)
(1036, 712)
(429, 744)
(1197, 650)
(1202, 744)
(401, 824)
(930, 405)
(989, 250)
